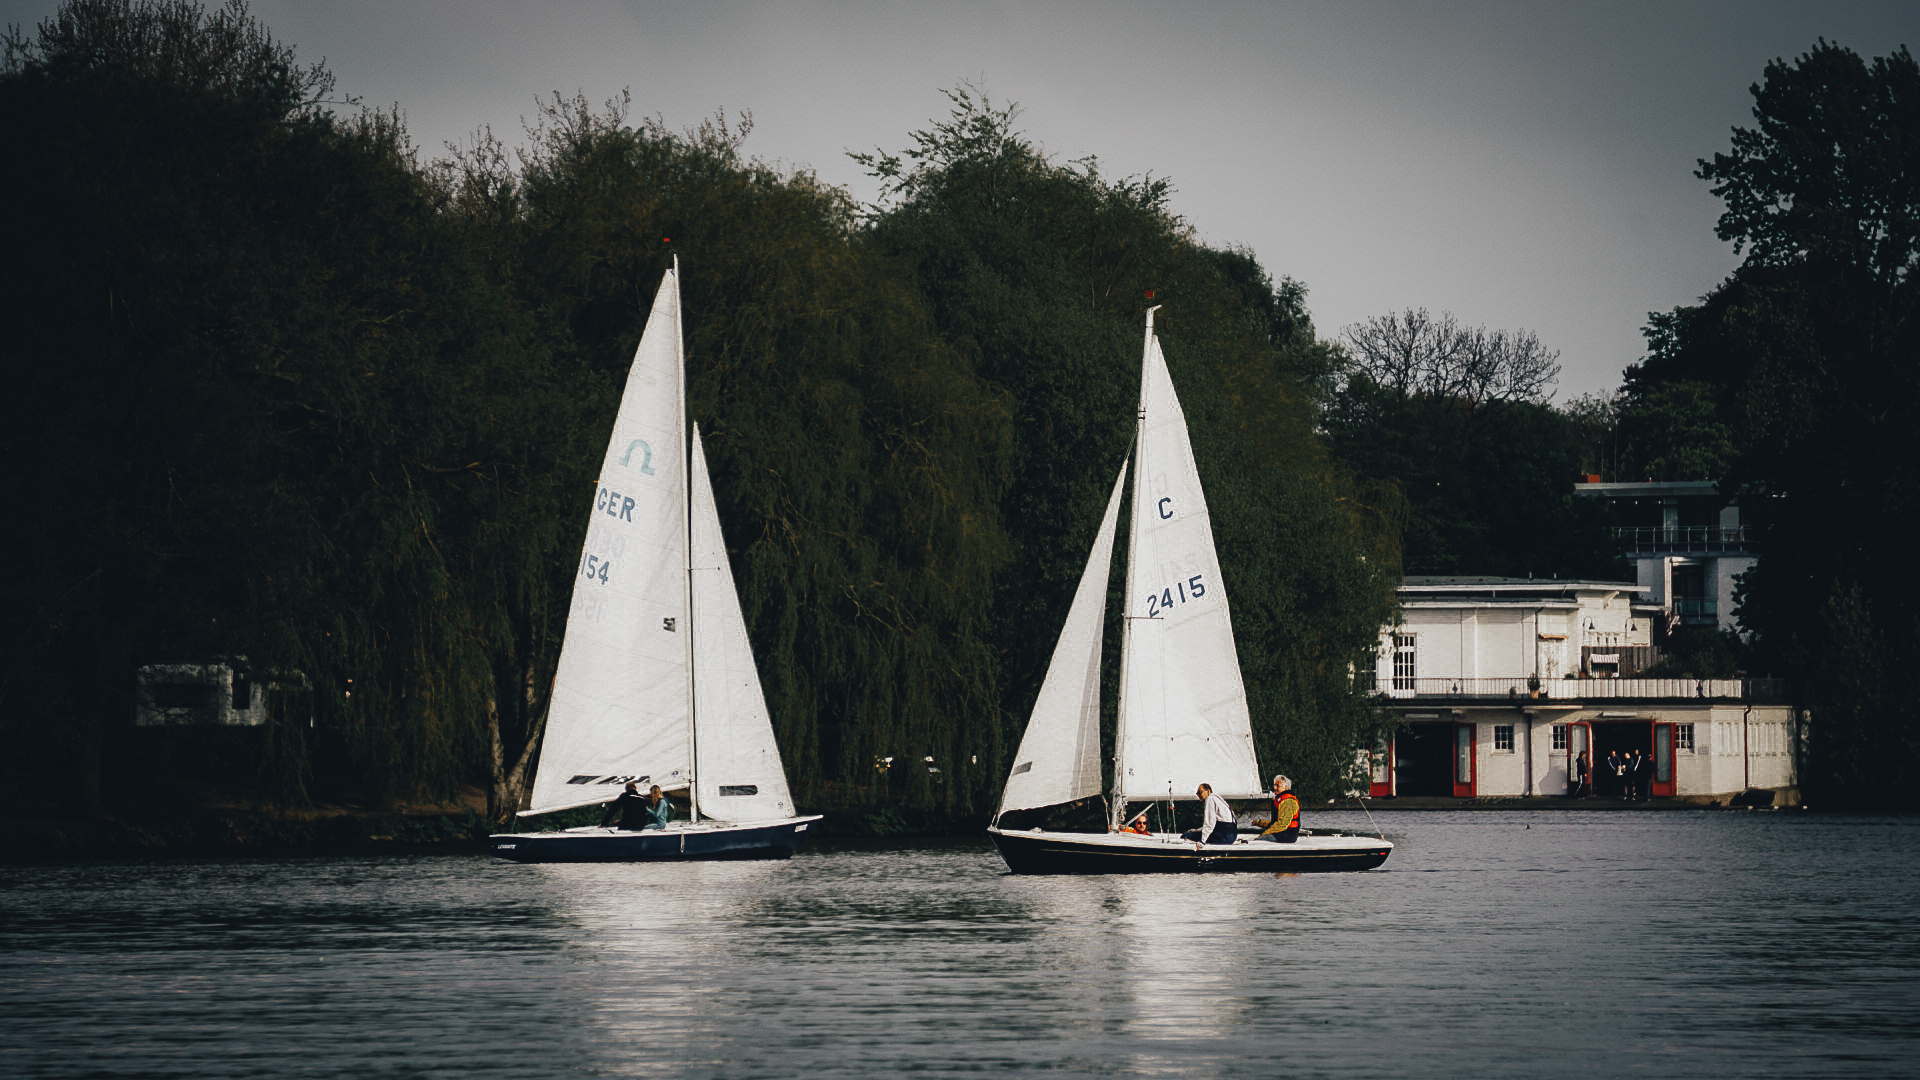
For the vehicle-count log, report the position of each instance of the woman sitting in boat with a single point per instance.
(659, 810)
(1216, 825)
(1284, 828)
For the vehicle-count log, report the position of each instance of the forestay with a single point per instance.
(740, 776)
(1059, 756)
(1183, 708)
(621, 697)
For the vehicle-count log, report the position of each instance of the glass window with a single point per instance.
(1683, 738)
(1559, 736)
(1503, 738)
(1403, 668)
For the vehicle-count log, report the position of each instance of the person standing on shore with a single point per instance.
(1582, 783)
(1643, 775)
(1616, 775)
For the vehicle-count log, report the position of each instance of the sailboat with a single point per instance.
(1183, 717)
(656, 683)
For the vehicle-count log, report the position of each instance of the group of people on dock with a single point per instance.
(1621, 776)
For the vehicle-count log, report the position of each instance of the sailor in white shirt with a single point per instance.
(1217, 824)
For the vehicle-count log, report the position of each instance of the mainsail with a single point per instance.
(1183, 708)
(740, 776)
(621, 696)
(1059, 756)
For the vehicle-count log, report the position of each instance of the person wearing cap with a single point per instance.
(630, 808)
(1284, 827)
(1216, 823)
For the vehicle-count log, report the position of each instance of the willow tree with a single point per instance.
(263, 404)
(856, 456)
(1042, 270)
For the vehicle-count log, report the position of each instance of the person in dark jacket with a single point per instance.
(1643, 775)
(631, 808)
(1616, 775)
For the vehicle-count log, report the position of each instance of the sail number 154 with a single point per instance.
(1193, 588)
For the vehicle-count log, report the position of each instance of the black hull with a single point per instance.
(678, 843)
(1090, 853)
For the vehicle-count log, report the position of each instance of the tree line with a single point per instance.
(282, 391)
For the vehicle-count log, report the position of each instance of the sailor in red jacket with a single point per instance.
(1285, 826)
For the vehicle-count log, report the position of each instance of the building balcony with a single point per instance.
(1682, 539)
(1575, 691)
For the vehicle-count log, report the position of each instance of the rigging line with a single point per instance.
(1362, 801)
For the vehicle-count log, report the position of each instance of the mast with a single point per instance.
(1119, 799)
(686, 472)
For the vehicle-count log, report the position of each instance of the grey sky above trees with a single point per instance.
(1516, 164)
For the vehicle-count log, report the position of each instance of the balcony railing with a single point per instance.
(1570, 690)
(1680, 539)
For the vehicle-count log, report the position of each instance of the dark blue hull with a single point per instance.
(679, 842)
(1119, 853)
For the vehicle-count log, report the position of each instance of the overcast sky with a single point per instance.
(1519, 164)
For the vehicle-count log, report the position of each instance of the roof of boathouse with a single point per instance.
(1511, 590)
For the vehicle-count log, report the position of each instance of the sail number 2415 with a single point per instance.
(1193, 588)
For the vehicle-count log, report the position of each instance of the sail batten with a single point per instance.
(1059, 756)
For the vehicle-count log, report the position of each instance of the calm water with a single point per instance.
(1491, 944)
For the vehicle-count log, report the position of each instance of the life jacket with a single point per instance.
(1282, 817)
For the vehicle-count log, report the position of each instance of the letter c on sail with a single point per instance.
(1164, 512)
(646, 455)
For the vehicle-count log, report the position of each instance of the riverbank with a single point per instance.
(228, 829)
(1756, 799)
(213, 827)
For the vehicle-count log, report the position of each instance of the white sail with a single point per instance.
(1183, 708)
(621, 699)
(1059, 756)
(739, 773)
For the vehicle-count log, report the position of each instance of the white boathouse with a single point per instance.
(1498, 684)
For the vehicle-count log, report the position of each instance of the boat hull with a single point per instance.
(679, 842)
(1122, 853)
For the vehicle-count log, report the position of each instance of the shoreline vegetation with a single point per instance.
(260, 832)
(287, 399)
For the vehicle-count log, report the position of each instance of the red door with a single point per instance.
(1580, 747)
(1663, 784)
(1380, 783)
(1463, 755)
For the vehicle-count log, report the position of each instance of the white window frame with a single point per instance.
(1405, 661)
(1503, 733)
(1683, 738)
(1560, 736)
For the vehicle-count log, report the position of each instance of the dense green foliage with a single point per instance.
(1488, 489)
(1800, 378)
(277, 391)
(1043, 269)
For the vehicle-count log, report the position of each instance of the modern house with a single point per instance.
(1687, 543)
(1498, 684)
